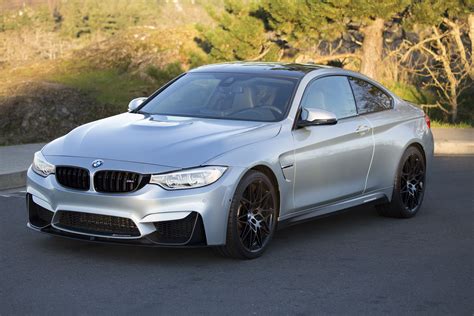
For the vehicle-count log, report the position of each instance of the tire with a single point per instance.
(252, 217)
(409, 186)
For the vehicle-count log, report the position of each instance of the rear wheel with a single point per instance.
(409, 186)
(252, 217)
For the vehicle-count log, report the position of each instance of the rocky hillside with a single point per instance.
(42, 111)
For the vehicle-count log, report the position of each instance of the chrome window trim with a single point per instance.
(320, 73)
(381, 88)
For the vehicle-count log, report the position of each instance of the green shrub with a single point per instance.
(109, 87)
(436, 123)
(165, 74)
(411, 93)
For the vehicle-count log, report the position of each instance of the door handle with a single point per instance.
(362, 129)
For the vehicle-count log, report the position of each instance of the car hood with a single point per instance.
(161, 140)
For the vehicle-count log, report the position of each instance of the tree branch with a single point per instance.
(322, 59)
(437, 105)
(261, 55)
(456, 32)
(421, 45)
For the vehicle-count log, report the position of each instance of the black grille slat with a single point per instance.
(104, 181)
(68, 178)
(73, 177)
(97, 224)
(85, 178)
(134, 178)
(124, 182)
(67, 175)
(117, 183)
(114, 181)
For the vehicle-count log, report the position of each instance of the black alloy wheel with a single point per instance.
(409, 186)
(255, 215)
(252, 217)
(412, 182)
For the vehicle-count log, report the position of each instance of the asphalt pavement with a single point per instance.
(351, 263)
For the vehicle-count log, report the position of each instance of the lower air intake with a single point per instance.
(177, 231)
(96, 224)
(38, 216)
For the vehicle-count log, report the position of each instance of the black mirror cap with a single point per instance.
(304, 123)
(314, 117)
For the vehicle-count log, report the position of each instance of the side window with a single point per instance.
(368, 97)
(331, 94)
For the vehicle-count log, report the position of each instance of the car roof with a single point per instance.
(279, 69)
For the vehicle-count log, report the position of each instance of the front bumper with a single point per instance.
(152, 210)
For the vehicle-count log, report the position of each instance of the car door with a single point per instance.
(376, 105)
(331, 161)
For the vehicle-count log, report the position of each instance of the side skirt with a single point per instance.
(324, 210)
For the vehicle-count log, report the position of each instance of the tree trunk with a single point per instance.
(453, 82)
(456, 33)
(471, 36)
(454, 112)
(372, 47)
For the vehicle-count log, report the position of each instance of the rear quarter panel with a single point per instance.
(394, 131)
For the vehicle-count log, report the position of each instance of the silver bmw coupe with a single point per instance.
(225, 153)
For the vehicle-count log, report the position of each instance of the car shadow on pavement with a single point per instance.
(287, 241)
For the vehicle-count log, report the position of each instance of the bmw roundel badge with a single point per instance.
(97, 163)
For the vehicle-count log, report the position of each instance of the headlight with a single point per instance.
(188, 179)
(41, 166)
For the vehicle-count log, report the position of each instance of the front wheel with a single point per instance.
(409, 186)
(252, 217)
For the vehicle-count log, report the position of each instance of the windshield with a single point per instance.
(225, 96)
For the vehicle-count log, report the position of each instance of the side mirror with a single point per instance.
(310, 117)
(135, 103)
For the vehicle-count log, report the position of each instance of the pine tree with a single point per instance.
(239, 34)
(371, 16)
(251, 31)
(303, 24)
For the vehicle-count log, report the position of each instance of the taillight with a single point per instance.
(427, 120)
